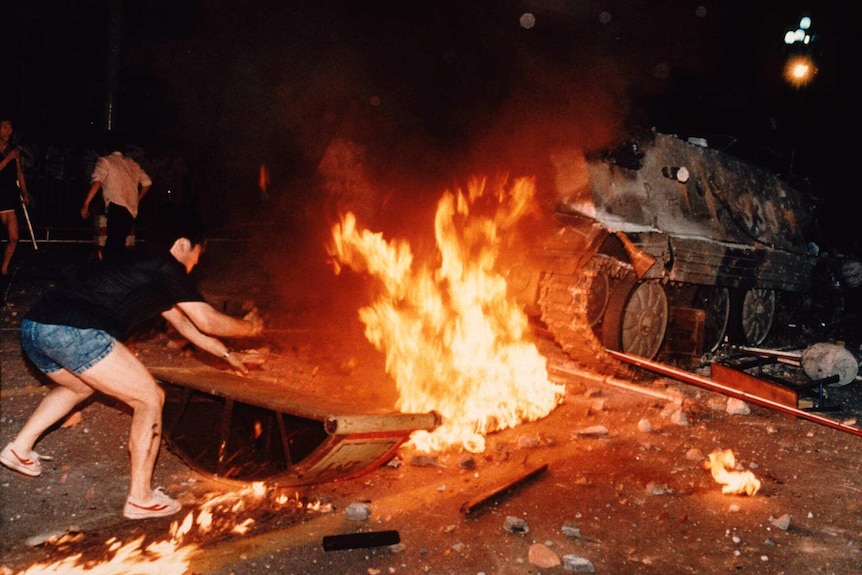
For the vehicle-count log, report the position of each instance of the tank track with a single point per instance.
(564, 301)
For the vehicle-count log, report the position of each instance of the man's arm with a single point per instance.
(188, 328)
(145, 182)
(211, 321)
(144, 190)
(94, 189)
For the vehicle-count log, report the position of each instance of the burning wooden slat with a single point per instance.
(347, 424)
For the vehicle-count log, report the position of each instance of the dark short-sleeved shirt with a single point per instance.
(119, 298)
(9, 199)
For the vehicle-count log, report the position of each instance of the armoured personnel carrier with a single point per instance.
(659, 227)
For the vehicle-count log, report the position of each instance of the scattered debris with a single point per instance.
(594, 431)
(571, 530)
(782, 522)
(654, 488)
(822, 360)
(360, 540)
(679, 417)
(542, 556)
(645, 426)
(669, 409)
(472, 505)
(717, 403)
(467, 462)
(737, 407)
(357, 512)
(597, 405)
(711, 385)
(528, 441)
(517, 525)
(423, 460)
(394, 463)
(578, 564)
(694, 454)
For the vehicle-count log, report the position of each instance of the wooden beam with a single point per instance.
(738, 379)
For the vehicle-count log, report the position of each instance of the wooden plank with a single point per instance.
(746, 382)
(282, 395)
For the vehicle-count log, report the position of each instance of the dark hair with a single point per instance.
(13, 141)
(173, 224)
(112, 141)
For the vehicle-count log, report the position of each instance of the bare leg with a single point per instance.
(56, 404)
(10, 220)
(123, 376)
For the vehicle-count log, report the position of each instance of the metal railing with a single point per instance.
(58, 180)
(57, 183)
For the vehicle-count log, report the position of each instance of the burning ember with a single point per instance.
(453, 341)
(735, 482)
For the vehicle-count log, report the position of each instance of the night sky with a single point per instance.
(434, 86)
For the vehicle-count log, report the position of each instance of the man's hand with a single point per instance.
(243, 360)
(256, 322)
(94, 189)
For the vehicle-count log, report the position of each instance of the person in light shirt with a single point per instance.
(124, 184)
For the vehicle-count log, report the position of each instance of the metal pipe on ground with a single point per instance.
(706, 383)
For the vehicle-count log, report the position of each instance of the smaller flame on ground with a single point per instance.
(215, 516)
(721, 463)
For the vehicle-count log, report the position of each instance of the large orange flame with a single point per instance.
(454, 343)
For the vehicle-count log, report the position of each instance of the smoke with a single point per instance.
(380, 110)
(384, 134)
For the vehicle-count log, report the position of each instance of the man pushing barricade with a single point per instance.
(74, 335)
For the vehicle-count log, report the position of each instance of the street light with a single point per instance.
(799, 70)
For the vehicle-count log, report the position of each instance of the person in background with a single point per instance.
(13, 189)
(124, 184)
(74, 335)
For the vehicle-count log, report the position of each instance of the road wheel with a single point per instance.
(755, 315)
(597, 299)
(715, 301)
(636, 319)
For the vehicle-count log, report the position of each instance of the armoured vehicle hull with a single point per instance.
(660, 226)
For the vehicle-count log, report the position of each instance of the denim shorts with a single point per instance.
(53, 347)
